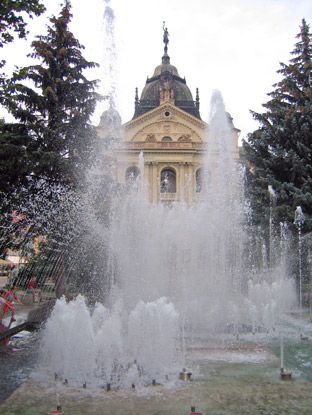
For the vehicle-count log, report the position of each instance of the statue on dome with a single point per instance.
(166, 37)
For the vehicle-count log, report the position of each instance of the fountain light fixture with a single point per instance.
(184, 375)
(57, 412)
(302, 337)
(285, 375)
(193, 411)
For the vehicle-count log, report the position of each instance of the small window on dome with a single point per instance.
(166, 139)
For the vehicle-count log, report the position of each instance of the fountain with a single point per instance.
(179, 293)
(181, 296)
(179, 285)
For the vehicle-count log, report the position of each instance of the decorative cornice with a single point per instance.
(160, 145)
(158, 111)
(174, 122)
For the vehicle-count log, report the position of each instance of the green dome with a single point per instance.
(165, 67)
(166, 74)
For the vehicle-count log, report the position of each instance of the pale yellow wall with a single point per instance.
(145, 134)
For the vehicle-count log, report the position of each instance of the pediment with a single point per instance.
(165, 121)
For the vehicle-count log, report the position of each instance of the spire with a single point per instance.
(197, 98)
(165, 58)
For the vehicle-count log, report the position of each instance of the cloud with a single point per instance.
(231, 45)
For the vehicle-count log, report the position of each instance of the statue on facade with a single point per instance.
(186, 138)
(166, 91)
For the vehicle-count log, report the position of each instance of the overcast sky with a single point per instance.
(234, 46)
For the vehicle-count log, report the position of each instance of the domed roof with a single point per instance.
(165, 67)
(166, 85)
(151, 91)
(110, 117)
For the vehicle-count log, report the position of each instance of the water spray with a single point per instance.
(299, 221)
(284, 375)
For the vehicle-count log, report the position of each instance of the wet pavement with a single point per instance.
(17, 361)
(19, 358)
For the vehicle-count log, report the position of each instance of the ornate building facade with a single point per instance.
(166, 140)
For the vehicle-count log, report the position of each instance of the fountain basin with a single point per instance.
(217, 387)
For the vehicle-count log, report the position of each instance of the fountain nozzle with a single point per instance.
(184, 375)
(285, 375)
(193, 411)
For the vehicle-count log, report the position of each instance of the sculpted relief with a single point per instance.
(150, 138)
(186, 138)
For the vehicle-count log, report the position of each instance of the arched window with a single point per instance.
(166, 139)
(168, 181)
(132, 173)
(199, 180)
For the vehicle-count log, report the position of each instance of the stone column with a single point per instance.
(182, 189)
(149, 180)
(191, 184)
(154, 183)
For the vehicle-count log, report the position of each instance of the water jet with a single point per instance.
(284, 375)
(187, 234)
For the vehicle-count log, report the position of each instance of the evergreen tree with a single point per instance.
(44, 154)
(56, 109)
(11, 18)
(13, 156)
(279, 152)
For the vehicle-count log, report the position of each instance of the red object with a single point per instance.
(2, 329)
(5, 342)
(31, 284)
(16, 217)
